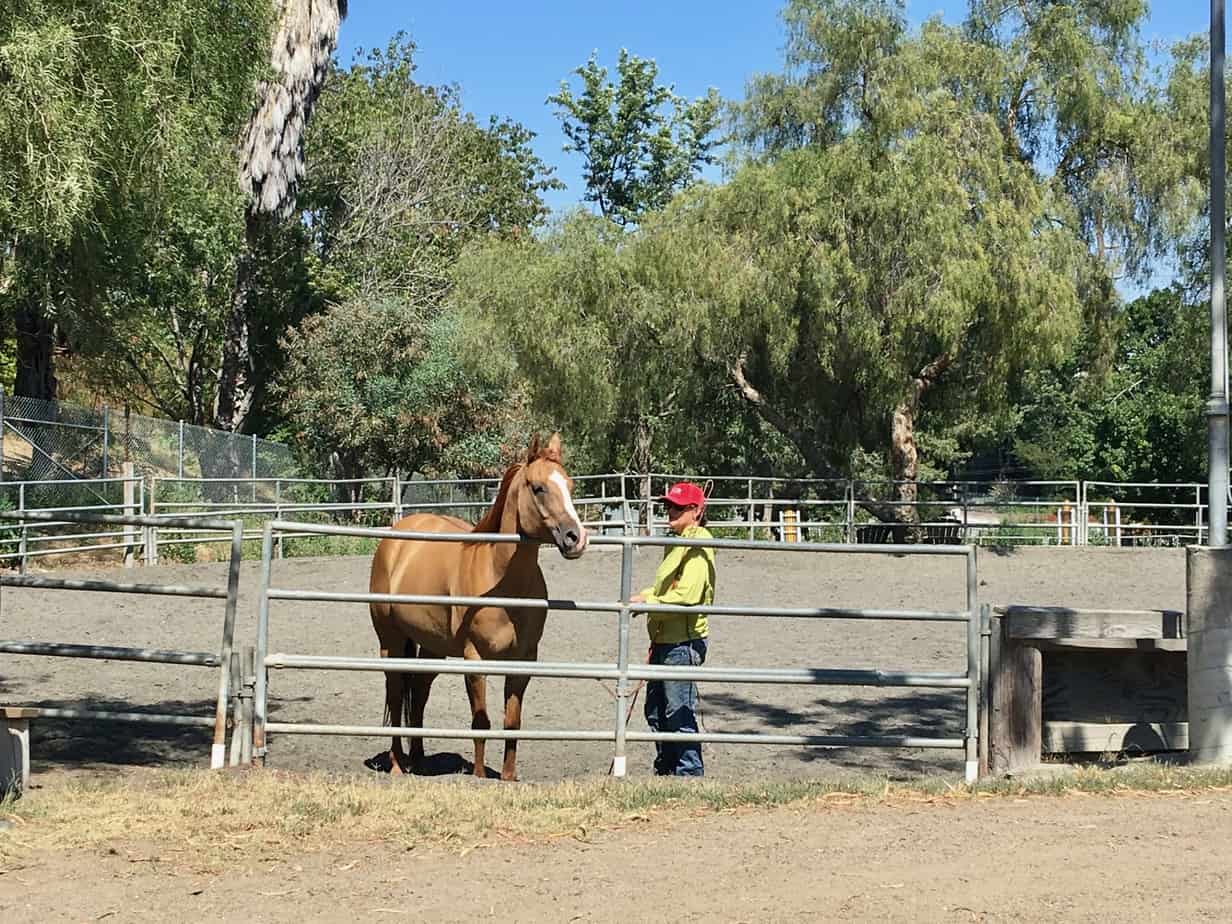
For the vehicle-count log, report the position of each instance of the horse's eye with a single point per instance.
(537, 489)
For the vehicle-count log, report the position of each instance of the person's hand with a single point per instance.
(638, 598)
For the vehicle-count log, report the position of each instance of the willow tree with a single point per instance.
(884, 249)
(114, 123)
(271, 167)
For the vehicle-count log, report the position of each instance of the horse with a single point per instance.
(534, 502)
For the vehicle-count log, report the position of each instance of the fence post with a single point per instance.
(851, 512)
(752, 528)
(106, 435)
(626, 513)
(254, 468)
(619, 758)
(21, 543)
(151, 534)
(179, 471)
(278, 515)
(130, 502)
(1, 434)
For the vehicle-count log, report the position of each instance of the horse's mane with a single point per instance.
(490, 521)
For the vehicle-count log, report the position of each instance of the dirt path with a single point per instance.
(1088, 577)
(1070, 858)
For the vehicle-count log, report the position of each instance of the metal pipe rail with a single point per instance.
(221, 661)
(621, 671)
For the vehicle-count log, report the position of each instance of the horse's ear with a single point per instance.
(532, 451)
(553, 449)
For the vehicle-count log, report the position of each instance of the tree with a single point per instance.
(403, 179)
(114, 122)
(641, 143)
(1142, 422)
(835, 287)
(376, 387)
(271, 166)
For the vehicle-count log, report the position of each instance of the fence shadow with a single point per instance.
(81, 744)
(912, 712)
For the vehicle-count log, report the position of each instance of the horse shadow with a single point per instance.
(442, 763)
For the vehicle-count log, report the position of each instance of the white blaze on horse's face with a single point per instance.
(552, 504)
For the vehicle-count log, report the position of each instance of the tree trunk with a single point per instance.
(36, 341)
(904, 455)
(236, 375)
(905, 462)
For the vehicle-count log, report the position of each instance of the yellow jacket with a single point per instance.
(685, 577)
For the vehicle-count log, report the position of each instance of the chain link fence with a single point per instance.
(54, 440)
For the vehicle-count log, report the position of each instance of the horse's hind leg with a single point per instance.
(421, 686)
(397, 700)
(477, 691)
(515, 687)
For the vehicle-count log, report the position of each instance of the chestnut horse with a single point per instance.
(535, 502)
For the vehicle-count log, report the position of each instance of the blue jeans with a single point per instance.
(671, 706)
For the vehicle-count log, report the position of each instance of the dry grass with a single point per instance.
(216, 814)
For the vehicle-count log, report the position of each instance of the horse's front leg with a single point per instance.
(477, 691)
(515, 687)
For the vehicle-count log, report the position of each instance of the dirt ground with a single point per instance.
(1070, 858)
(1090, 577)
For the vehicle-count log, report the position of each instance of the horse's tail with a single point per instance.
(408, 651)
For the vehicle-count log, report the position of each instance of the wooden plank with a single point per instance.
(1111, 644)
(1099, 737)
(1027, 622)
(1015, 722)
(18, 712)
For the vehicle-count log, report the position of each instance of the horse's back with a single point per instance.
(396, 558)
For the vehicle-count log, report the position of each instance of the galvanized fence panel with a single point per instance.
(621, 670)
(50, 535)
(220, 659)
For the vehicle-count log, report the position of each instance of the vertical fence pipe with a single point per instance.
(218, 753)
(259, 710)
(237, 710)
(278, 514)
(1, 434)
(619, 758)
(151, 531)
(248, 698)
(106, 436)
(179, 468)
(1217, 402)
(751, 529)
(254, 468)
(21, 543)
(973, 672)
(851, 512)
(985, 706)
(130, 509)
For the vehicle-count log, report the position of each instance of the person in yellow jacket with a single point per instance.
(684, 577)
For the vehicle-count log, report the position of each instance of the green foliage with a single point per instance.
(641, 143)
(118, 206)
(1145, 420)
(370, 387)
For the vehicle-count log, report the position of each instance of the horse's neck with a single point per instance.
(506, 555)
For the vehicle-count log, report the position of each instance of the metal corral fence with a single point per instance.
(1074, 513)
(61, 505)
(220, 660)
(621, 670)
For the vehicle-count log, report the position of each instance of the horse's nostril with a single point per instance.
(571, 537)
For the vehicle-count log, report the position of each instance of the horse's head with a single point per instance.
(545, 503)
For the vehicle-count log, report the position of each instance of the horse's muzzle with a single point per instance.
(571, 541)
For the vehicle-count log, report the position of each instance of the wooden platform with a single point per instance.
(1067, 681)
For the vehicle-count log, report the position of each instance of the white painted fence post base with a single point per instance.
(1208, 576)
(14, 749)
(618, 766)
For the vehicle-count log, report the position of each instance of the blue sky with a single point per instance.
(508, 57)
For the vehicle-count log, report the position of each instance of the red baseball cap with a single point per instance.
(685, 494)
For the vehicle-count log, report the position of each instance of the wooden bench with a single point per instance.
(1065, 681)
(15, 748)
